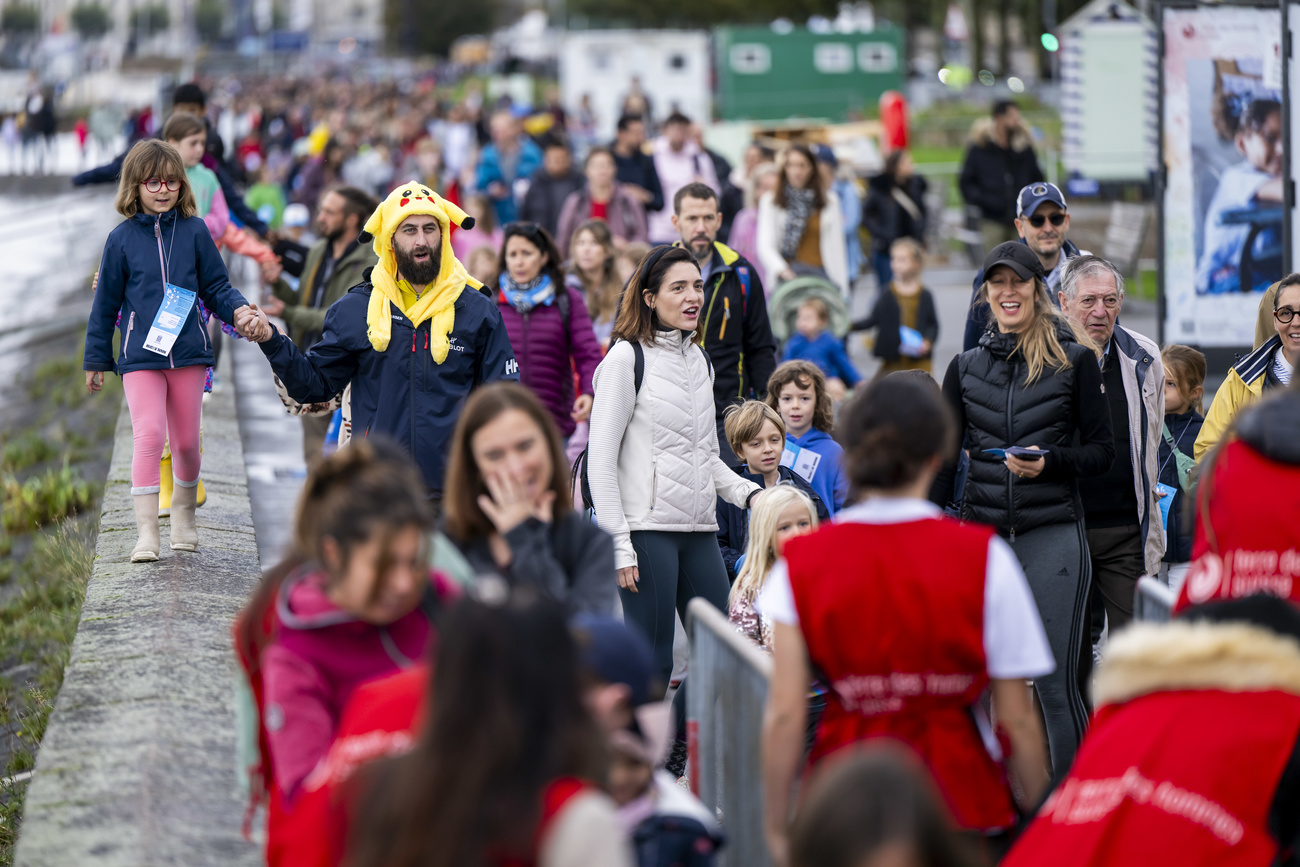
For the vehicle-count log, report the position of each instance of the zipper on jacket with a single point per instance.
(654, 482)
(740, 376)
(1011, 478)
(411, 408)
(726, 317)
(126, 341)
(708, 314)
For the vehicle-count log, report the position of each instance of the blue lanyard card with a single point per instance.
(175, 309)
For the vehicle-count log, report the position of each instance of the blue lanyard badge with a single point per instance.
(803, 461)
(1165, 503)
(175, 309)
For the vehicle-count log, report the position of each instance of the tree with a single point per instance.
(20, 19)
(431, 26)
(91, 20)
(209, 19)
(150, 19)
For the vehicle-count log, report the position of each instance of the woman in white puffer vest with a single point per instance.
(652, 456)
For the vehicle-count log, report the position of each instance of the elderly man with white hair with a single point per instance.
(1121, 511)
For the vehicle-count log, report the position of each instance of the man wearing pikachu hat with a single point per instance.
(414, 341)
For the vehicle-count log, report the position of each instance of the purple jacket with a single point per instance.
(549, 350)
(624, 215)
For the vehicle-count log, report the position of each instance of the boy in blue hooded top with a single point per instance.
(797, 391)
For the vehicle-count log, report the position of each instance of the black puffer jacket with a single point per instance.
(1063, 412)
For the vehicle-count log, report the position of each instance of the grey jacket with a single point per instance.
(1144, 376)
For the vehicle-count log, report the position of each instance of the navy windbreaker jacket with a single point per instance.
(131, 281)
(400, 392)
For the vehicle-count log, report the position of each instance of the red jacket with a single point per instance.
(898, 632)
(1197, 723)
(1248, 538)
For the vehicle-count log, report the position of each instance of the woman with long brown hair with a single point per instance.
(652, 459)
(507, 768)
(800, 227)
(509, 508)
(591, 271)
(1031, 408)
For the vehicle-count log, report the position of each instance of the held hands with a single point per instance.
(627, 578)
(252, 324)
(507, 504)
(581, 408)
(1025, 469)
(94, 380)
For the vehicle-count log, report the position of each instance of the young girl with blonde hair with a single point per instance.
(778, 514)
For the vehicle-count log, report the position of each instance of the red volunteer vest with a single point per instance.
(381, 719)
(1183, 778)
(1254, 513)
(893, 616)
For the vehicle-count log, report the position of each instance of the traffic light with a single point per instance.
(1050, 42)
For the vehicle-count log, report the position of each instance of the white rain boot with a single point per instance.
(184, 534)
(146, 524)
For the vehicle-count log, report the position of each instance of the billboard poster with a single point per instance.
(1223, 193)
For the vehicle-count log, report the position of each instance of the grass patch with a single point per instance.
(27, 449)
(1145, 285)
(44, 499)
(58, 381)
(37, 626)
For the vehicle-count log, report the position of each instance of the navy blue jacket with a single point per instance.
(977, 317)
(1184, 429)
(733, 521)
(400, 392)
(131, 281)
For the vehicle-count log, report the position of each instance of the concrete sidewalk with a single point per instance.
(138, 764)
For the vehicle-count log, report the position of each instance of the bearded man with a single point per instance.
(411, 340)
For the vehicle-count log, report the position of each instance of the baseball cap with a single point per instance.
(1017, 257)
(296, 215)
(616, 653)
(826, 154)
(1033, 195)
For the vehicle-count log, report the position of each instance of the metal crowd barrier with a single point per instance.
(1154, 601)
(726, 693)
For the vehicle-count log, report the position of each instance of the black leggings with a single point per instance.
(674, 568)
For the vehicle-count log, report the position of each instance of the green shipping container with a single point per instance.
(765, 75)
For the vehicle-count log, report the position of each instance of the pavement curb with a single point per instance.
(138, 764)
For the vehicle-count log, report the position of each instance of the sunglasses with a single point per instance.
(1284, 314)
(154, 185)
(1037, 220)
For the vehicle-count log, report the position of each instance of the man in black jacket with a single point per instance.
(999, 161)
(636, 168)
(550, 186)
(737, 333)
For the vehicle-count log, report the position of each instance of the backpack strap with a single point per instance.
(638, 365)
(743, 273)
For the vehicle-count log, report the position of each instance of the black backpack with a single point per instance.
(580, 465)
(638, 374)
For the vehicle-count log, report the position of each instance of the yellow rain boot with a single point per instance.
(202, 495)
(165, 486)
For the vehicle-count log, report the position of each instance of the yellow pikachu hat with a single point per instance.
(438, 301)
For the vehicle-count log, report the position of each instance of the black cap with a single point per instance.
(1017, 257)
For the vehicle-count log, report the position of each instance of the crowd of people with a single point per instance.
(607, 424)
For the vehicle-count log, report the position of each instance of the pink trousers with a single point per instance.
(166, 406)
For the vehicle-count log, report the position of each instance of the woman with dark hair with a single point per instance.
(1031, 407)
(895, 208)
(800, 227)
(871, 804)
(509, 508)
(909, 617)
(603, 198)
(548, 324)
(506, 768)
(652, 457)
